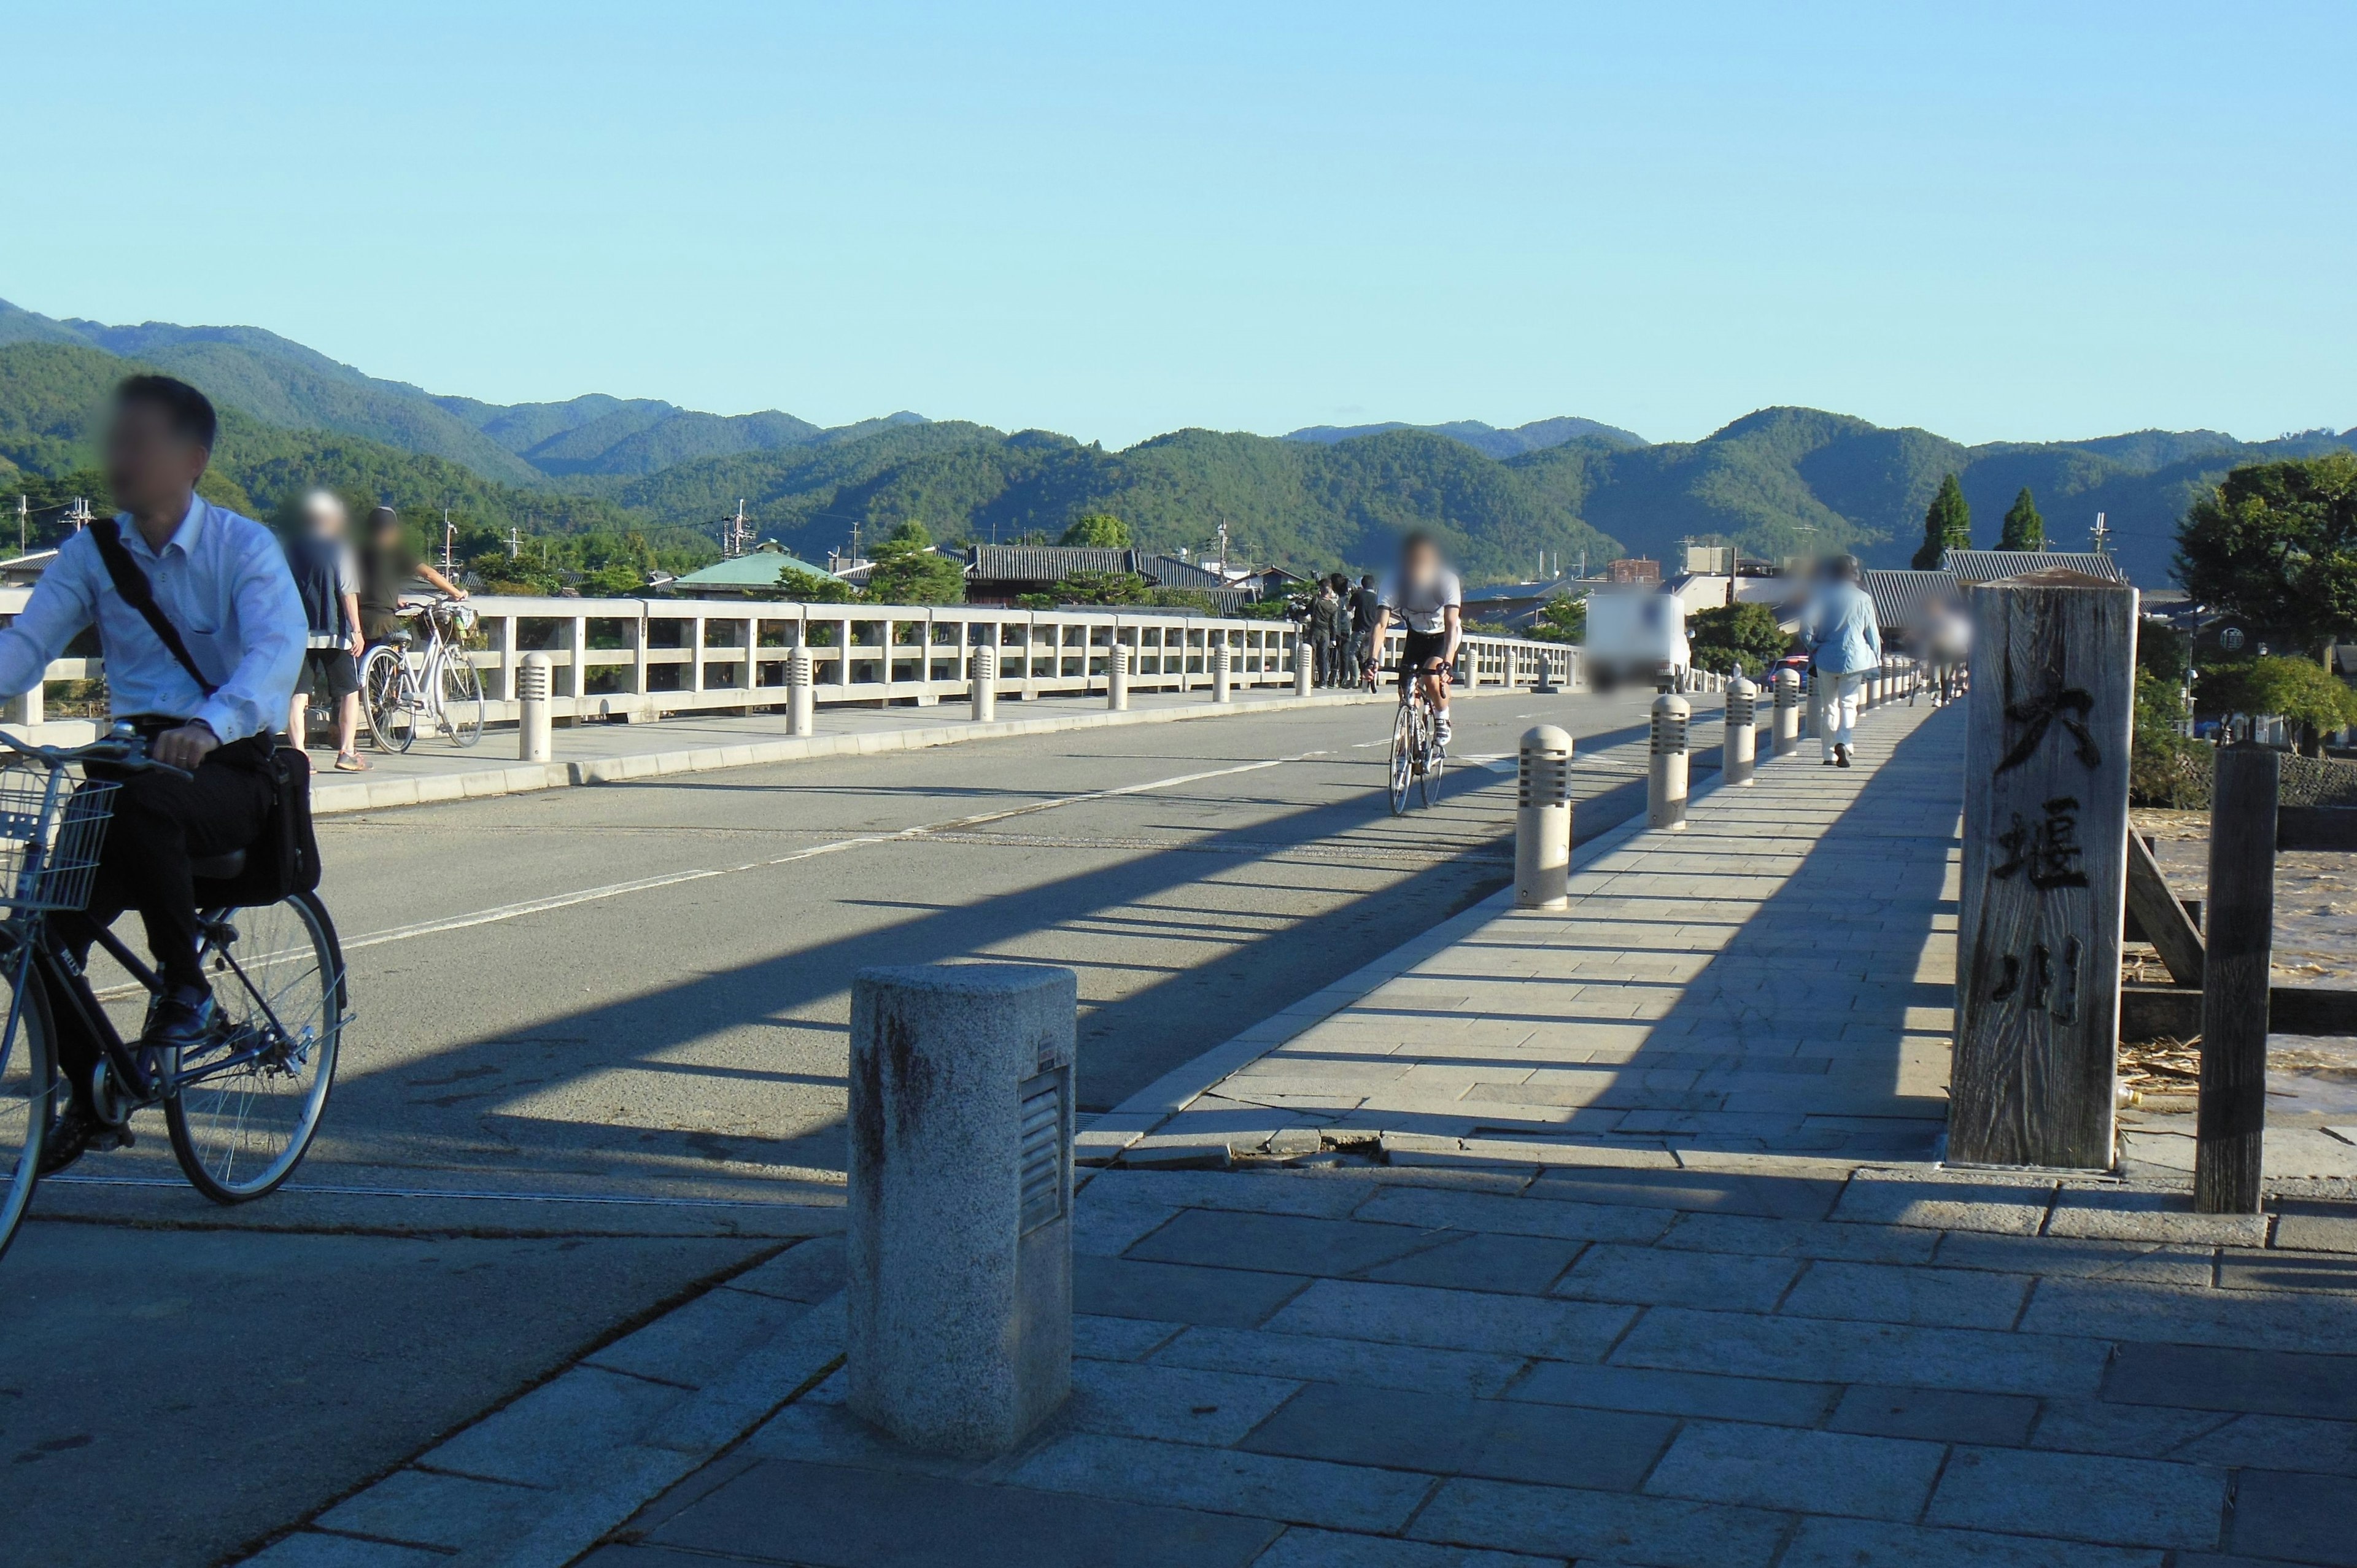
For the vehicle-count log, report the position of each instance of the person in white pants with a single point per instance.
(1845, 642)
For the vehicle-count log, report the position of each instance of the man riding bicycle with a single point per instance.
(220, 583)
(1429, 601)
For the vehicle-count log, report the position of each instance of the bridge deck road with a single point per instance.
(598, 1059)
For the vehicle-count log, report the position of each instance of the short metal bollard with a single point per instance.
(532, 724)
(801, 699)
(1743, 754)
(1787, 720)
(1220, 670)
(1543, 822)
(1117, 678)
(985, 683)
(1303, 666)
(958, 1289)
(1665, 785)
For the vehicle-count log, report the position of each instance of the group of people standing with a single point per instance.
(1341, 624)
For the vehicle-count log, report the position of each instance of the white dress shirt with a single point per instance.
(221, 579)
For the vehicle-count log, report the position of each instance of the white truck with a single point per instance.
(1636, 636)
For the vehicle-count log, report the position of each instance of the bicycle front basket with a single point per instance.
(51, 829)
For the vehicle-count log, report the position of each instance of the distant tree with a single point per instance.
(1947, 525)
(1561, 619)
(2277, 543)
(1098, 530)
(2023, 529)
(1101, 588)
(908, 571)
(797, 586)
(1745, 634)
(2300, 691)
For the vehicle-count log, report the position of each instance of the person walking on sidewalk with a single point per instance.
(1366, 605)
(388, 568)
(1845, 642)
(1326, 632)
(327, 575)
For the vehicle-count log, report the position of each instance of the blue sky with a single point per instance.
(1993, 220)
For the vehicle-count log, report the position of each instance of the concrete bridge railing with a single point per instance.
(642, 659)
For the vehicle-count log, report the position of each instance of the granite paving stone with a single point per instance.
(1799, 1239)
(1501, 1439)
(1526, 1265)
(2143, 1214)
(2301, 1518)
(1176, 1404)
(1823, 1351)
(1313, 1358)
(1127, 1287)
(1883, 1197)
(1937, 1415)
(1649, 1276)
(1455, 1319)
(556, 1432)
(806, 1271)
(2219, 1378)
(1301, 1547)
(1815, 1472)
(1772, 1197)
(2316, 1225)
(2277, 1270)
(1297, 1491)
(1278, 1243)
(1120, 1338)
(827, 1516)
(2082, 1258)
(1867, 1543)
(1493, 1213)
(424, 1508)
(1760, 1400)
(1600, 1527)
(2268, 1320)
(312, 1549)
(2079, 1497)
(2279, 1442)
(1880, 1292)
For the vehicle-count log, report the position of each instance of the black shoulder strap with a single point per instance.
(132, 584)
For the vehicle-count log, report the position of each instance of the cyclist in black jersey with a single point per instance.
(1428, 600)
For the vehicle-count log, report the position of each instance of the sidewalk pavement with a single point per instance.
(1655, 1304)
(434, 769)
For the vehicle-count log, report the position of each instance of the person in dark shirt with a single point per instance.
(1365, 605)
(388, 567)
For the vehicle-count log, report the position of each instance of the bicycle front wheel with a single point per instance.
(250, 1101)
(27, 1089)
(462, 700)
(1402, 775)
(387, 698)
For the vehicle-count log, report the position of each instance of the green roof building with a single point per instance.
(744, 574)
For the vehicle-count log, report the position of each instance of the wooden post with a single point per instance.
(2045, 872)
(2239, 925)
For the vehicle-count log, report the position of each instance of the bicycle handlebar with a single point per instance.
(121, 749)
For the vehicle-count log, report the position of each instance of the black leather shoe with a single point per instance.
(75, 1133)
(183, 1020)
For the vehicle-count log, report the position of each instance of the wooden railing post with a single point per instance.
(2238, 928)
(2045, 873)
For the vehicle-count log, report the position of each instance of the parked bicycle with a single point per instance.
(243, 1108)
(1417, 759)
(403, 687)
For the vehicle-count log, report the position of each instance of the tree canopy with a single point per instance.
(1098, 530)
(2023, 529)
(2278, 542)
(1947, 525)
(908, 571)
(1736, 635)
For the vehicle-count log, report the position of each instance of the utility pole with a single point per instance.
(78, 515)
(449, 537)
(735, 534)
(22, 515)
(515, 543)
(2102, 536)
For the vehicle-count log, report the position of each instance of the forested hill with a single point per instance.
(1779, 482)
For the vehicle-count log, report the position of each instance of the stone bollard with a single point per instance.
(1787, 732)
(801, 702)
(533, 722)
(1220, 669)
(1742, 754)
(1543, 822)
(1117, 678)
(958, 1295)
(1304, 669)
(1665, 787)
(986, 683)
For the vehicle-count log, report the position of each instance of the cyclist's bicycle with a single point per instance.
(400, 686)
(241, 1108)
(1416, 759)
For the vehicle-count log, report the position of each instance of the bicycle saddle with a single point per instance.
(217, 867)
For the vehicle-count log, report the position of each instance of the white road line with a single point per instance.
(672, 879)
(329, 1190)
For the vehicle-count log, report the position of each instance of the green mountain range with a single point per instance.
(1779, 482)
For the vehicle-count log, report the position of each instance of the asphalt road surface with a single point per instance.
(599, 1058)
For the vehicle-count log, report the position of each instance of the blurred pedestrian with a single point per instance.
(328, 578)
(1326, 616)
(1366, 604)
(388, 568)
(1845, 642)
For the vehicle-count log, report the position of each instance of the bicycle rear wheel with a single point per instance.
(388, 698)
(242, 1128)
(1402, 759)
(28, 1091)
(1428, 777)
(462, 700)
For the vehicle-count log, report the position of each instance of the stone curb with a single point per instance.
(517, 779)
